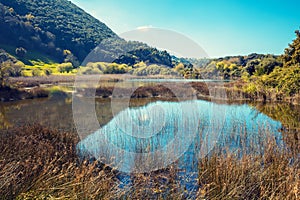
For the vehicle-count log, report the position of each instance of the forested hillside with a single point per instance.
(61, 31)
(50, 26)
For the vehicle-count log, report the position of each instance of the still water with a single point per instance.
(151, 134)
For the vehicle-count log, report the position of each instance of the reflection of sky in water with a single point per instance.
(155, 135)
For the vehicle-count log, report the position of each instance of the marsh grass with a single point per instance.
(38, 163)
(274, 174)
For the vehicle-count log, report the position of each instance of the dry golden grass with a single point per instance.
(38, 163)
(42, 163)
(272, 175)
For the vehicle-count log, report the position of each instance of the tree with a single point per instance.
(70, 58)
(65, 67)
(251, 65)
(21, 52)
(268, 64)
(179, 68)
(291, 55)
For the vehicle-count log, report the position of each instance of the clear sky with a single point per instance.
(220, 27)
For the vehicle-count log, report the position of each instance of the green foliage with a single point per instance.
(65, 67)
(4, 73)
(251, 66)
(104, 68)
(291, 56)
(153, 70)
(61, 30)
(271, 73)
(266, 65)
(9, 66)
(44, 69)
(35, 55)
(15, 69)
(263, 74)
(147, 55)
(140, 65)
(285, 80)
(251, 88)
(228, 70)
(50, 26)
(70, 58)
(234, 67)
(36, 72)
(139, 69)
(47, 72)
(198, 63)
(179, 68)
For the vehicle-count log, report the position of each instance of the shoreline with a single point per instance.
(34, 87)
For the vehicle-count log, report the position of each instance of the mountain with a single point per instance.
(50, 26)
(66, 33)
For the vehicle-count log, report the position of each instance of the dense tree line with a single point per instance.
(263, 74)
(147, 55)
(234, 67)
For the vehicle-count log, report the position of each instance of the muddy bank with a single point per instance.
(11, 94)
(166, 90)
(36, 81)
(33, 81)
(231, 92)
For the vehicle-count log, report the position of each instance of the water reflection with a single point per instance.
(56, 112)
(146, 138)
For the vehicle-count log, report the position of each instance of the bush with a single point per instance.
(65, 67)
(105, 68)
(36, 72)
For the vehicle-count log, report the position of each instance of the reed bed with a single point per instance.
(39, 163)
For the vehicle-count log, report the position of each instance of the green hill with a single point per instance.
(59, 31)
(50, 26)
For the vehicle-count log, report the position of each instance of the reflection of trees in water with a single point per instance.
(49, 112)
(5, 109)
(289, 116)
(55, 112)
(4, 122)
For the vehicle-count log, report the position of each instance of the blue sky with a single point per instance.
(220, 27)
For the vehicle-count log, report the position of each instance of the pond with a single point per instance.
(152, 134)
(151, 137)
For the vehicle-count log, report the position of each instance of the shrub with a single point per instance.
(65, 67)
(36, 72)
